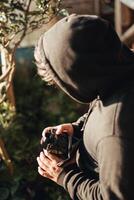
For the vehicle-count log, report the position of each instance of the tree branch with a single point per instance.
(4, 76)
(25, 28)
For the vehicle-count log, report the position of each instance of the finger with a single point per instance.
(44, 159)
(50, 169)
(52, 157)
(45, 131)
(42, 165)
(46, 163)
(44, 173)
(42, 140)
(59, 129)
(66, 128)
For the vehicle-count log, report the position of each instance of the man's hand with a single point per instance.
(68, 128)
(48, 165)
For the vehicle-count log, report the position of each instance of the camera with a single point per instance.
(57, 144)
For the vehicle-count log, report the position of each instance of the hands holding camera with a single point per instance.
(48, 162)
(68, 128)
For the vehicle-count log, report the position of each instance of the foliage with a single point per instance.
(19, 17)
(34, 103)
(6, 114)
(37, 106)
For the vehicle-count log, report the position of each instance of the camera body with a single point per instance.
(56, 144)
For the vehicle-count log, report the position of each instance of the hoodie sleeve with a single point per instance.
(116, 173)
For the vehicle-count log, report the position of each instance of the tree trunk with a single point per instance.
(7, 62)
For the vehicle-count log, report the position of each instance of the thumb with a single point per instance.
(59, 129)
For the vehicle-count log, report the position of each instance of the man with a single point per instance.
(83, 55)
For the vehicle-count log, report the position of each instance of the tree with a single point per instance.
(17, 19)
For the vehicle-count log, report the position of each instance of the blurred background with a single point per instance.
(33, 105)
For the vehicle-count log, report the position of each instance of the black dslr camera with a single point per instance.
(59, 145)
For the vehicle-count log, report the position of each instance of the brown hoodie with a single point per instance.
(87, 59)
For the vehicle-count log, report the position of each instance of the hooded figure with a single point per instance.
(83, 55)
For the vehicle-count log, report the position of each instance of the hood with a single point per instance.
(86, 57)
